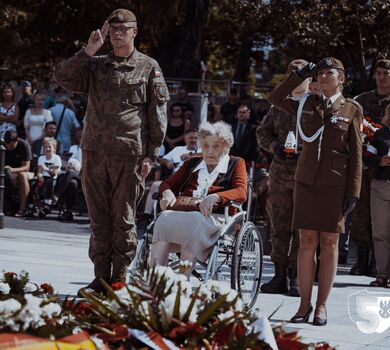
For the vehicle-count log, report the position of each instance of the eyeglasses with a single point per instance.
(14, 139)
(120, 29)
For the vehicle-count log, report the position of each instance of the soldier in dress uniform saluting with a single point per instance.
(327, 178)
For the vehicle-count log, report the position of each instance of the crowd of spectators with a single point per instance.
(43, 155)
(41, 130)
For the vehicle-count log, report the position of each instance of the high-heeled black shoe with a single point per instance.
(320, 320)
(304, 318)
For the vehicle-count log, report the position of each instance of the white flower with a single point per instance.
(98, 342)
(51, 310)
(31, 313)
(169, 304)
(4, 288)
(10, 323)
(30, 287)
(76, 330)
(167, 272)
(9, 306)
(226, 315)
(231, 295)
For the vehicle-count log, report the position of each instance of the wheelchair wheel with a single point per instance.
(247, 263)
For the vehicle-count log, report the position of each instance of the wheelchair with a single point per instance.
(236, 258)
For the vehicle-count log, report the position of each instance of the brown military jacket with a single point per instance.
(126, 111)
(340, 162)
(373, 105)
(273, 131)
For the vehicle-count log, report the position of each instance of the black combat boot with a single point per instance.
(293, 290)
(278, 284)
(361, 267)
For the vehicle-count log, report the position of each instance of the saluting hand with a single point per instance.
(96, 39)
(307, 71)
(168, 198)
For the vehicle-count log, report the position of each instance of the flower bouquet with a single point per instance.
(369, 129)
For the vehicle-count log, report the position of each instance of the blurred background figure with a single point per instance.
(9, 111)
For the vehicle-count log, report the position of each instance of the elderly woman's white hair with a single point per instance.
(221, 129)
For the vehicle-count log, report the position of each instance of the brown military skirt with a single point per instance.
(318, 208)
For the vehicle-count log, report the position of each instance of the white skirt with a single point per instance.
(191, 230)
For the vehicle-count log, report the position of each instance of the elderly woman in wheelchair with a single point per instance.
(191, 198)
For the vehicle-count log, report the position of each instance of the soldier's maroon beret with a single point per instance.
(121, 16)
(383, 63)
(330, 62)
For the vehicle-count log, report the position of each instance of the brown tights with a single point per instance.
(307, 265)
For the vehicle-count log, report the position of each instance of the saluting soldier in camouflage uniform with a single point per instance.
(271, 135)
(124, 128)
(373, 103)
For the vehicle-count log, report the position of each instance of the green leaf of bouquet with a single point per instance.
(176, 308)
(207, 313)
(192, 303)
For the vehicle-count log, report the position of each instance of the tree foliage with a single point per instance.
(233, 37)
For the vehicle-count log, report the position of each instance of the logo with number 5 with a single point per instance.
(370, 311)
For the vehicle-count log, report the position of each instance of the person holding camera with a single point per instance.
(327, 178)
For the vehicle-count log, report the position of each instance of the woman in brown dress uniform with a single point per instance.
(327, 178)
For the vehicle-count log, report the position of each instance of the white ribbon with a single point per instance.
(319, 133)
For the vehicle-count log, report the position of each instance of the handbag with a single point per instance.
(185, 203)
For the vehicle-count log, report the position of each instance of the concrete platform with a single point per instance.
(62, 260)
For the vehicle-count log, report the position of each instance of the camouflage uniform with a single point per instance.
(271, 133)
(361, 220)
(125, 122)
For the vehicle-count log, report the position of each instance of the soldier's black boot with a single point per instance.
(293, 290)
(361, 267)
(278, 284)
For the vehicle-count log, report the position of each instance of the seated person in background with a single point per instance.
(50, 131)
(183, 101)
(176, 128)
(213, 180)
(17, 165)
(49, 166)
(68, 181)
(171, 162)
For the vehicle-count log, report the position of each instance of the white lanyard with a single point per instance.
(319, 133)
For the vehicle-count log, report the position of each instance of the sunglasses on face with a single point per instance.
(120, 29)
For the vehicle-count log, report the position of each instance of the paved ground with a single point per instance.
(57, 253)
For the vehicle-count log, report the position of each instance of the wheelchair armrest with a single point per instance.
(234, 204)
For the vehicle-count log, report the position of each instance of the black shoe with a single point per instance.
(304, 318)
(320, 320)
(94, 287)
(278, 284)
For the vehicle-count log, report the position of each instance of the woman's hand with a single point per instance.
(168, 198)
(207, 204)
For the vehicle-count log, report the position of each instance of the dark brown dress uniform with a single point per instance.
(329, 172)
(125, 122)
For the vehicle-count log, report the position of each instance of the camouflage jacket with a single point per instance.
(126, 112)
(273, 132)
(373, 105)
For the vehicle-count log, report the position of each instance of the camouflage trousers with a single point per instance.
(112, 189)
(284, 240)
(361, 231)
